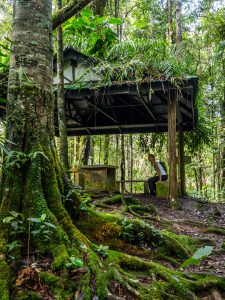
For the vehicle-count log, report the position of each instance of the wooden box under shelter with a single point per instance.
(98, 178)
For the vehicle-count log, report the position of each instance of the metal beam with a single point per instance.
(146, 106)
(102, 111)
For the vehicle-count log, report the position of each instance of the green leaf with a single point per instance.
(115, 21)
(202, 252)
(35, 220)
(86, 13)
(190, 261)
(35, 232)
(198, 255)
(50, 225)
(79, 263)
(43, 217)
(7, 220)
(15, 214)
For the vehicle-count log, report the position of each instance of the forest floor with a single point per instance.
(195, 218)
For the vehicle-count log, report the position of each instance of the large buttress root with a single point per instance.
(42, 192)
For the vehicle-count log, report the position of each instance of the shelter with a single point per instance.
(128, 107)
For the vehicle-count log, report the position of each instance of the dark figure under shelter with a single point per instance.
(160, 175)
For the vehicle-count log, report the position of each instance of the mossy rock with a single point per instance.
(162, 189)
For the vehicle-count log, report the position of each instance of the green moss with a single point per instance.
(50, 279)
(141, 210)
(4, 292)
(27, 295)
(120, 199)
(181, 246)
(4, 278)
(62, 294)
(60, 256)
(162, 189)
(86, 285)
(117, 199)
(128, 200)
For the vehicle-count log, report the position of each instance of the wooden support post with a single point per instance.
(181, 160)
(131, 164)
(173, 195)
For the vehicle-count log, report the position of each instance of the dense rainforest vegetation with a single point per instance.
(60, 242)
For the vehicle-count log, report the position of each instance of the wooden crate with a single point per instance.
(98, 178)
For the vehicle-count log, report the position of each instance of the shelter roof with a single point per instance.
(129, 107)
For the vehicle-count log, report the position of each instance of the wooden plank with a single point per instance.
(173, 195)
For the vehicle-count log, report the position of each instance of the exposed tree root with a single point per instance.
(102, 266)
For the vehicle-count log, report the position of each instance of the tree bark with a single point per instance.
(86, 150)
(64, 159)
(106, 149)
(32, 181)
(98, 7)
(69, 10)
(169, 33)
(178, 23)
(173, 196)
(122, 165)
(181, 161)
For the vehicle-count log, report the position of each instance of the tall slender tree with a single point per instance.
(63, 143)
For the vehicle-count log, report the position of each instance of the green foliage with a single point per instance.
(4, 56)
(126, 229)
(16, 228)
(94, 34)
(43, 230)
(74, 263)
(198, 256)
(18, 159)
(16, 223)
(83, 205)
(102, 250)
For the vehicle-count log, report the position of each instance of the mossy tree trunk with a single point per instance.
(64, 159)
(32, 181)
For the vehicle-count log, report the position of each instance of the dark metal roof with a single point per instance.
(129, 108)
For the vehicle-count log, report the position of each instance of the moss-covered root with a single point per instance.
(164, 283)
(111, 229)
(141, 210)
(119, 199)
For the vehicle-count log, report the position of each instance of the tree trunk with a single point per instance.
(122, 166)
(106, 149)
(169, 33)
(32, 180)
(172, 149)
(78, 150)
(99, 7)
(86, 150)
(178, 23)
(64, 159)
